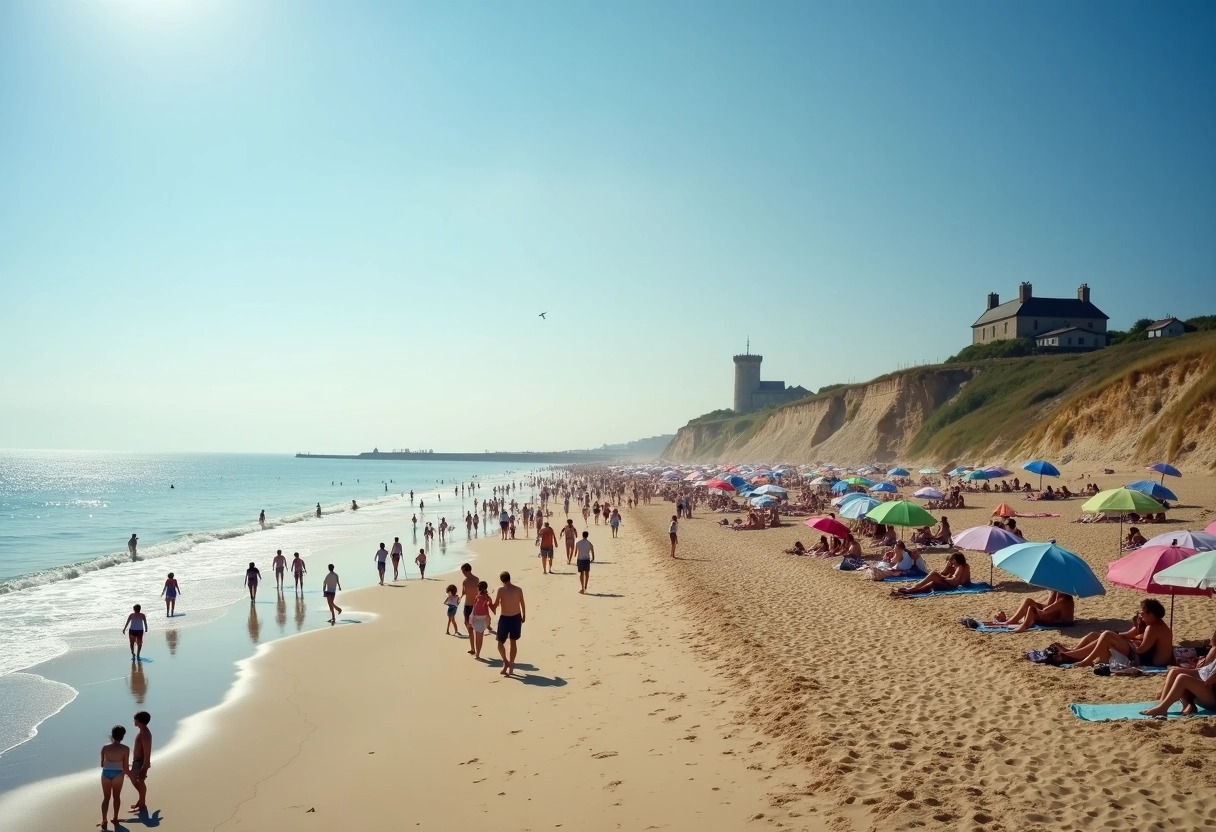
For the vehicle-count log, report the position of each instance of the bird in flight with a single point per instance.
(543, 314)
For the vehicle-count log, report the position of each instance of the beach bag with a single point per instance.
(849, 564)
(1185, 656)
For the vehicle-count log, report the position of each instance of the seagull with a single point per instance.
(543, 314)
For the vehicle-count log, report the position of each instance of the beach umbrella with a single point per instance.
(827, 525)
(885, 488)
(898, 472)
(928, 494)
(850, 497)
(986, 539)
(762, 501)
(1043, 468)
(820, 480)
(975, 476)
(859, 481)
(857, 509)
(929, 471)
(1164, 468)
(957, 472)
(1153, 489)
(735, 480)
(997, 471)
(841, 487)
(1199, 541)
(1120, 500)
(1049, 566)
(1139, 569)
(772, 491)
(720, 485)
(1197, 571)
(900, 513)
(1211, 527)
(1004, 510)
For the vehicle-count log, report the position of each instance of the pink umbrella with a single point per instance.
(1138, 569)
(827, 525)
(1211, 529)
(719, 485)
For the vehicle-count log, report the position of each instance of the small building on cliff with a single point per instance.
(1068, 323)
(752, 394)
(1168, 328)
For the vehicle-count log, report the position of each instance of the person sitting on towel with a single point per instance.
(956, 574)
(1191, 686)
(1134, 538)
(1057, 610)
(898, 561)
(942, 535)
(1149, 642)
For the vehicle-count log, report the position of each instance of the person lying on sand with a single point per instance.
(956, 574)
(1149, 642)
(1192, 686)
(1057, 610)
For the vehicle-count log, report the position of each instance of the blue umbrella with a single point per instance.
(1051, 567)
(976, 475)
(1153, 489)
(1164, 468)
(898, 472)
(850, 497)
(856, 509)
(841, 487)
(885, 488)
(762, 501)
(957, 472)
(735, 480)
(1043, 468)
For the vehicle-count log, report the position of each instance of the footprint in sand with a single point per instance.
(603, 754)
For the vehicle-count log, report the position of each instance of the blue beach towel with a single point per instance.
(1126, 711)
(915, 576)
(974, 589)
(984, 628)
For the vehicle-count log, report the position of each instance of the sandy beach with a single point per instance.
(735, 687)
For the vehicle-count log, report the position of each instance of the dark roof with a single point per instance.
(1071, 308)
(1056, 332)
(1163, 324)
(772, 386)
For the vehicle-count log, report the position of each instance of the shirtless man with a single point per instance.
(132, 544)
(280, 566)
(141, 761)
(395, 554)
(1149, 642)
(1058, 609)
(297, 570)
(330, 585)
(509, 604)
(569, 535)
(547, 541)
(381, 557)
(468, 588)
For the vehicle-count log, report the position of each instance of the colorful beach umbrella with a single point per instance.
(1050, 566)
(841, 487)
(1153, 489)
(885, 488)
(1041, 467)
(827, 525)
(900, 513)
(857, 509)
(1199, 541)
(720, 485)
(1004, 510)
(859, 481)
(1139, 569)
(975, 476)
(844, 499)
(735, 480)
(929, 471)
(1197, 571)
(1164, 468)
(898, 472)
(770, 490)
(762, 501)
(957, 472)
(994, 471)
(988, 539)
(1120, 500)
(1211, 527)
(928, 494)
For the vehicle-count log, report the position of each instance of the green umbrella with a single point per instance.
(901, 513)
(1197, 571)
(1120, 500)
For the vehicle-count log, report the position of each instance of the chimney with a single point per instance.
(1024, 292)
(1083, 293)
(994, 300)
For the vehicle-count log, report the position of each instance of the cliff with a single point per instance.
(1128, 404)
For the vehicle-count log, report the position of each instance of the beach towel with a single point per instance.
(1037, 514)
(1130, 710)
(984, 628)
(915, 576)
(974, 589)
(1146, 670)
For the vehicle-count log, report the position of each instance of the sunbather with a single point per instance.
(1058, 609)
(798, 549)
(898, 561)
(1149, 642)
(956, 574)
(1134, 538)
(1187, 685)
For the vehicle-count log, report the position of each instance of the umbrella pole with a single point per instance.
(1172, 596)
(1040, 482)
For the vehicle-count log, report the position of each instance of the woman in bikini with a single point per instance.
(115, 765)
(956, 574)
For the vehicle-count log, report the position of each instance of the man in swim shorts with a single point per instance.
(509, 604)
(330, 586)
(547, 539)
(569, 535)
(280, 565)
(584, 558)
(298, 569)
(381, 557)
(141, 761)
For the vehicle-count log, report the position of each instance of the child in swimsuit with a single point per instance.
(480, 620)
(452, 602)
(115, 764)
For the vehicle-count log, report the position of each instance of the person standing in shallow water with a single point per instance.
(329, 587)
(134, 629)
(252, 576)
(132, 544)
(170, 591)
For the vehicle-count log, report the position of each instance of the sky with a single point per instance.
(314, 226)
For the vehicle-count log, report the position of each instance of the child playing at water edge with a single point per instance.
(452, 602)
(171, 591)
(481, 617)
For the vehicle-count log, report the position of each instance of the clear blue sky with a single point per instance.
(317, 225)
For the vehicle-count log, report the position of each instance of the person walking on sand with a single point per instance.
(141, 761)
(547, 539)
(584, 558)
(115, 765)
(170, 591)
(509, 604)
(280, 566)
(569, 535)
(504, 522)
(252, 576)
(480, 618)
(672, 533)
(329, 587)
(381, 558)
(614, 520)
(468, 588)
(452, 602)
(297, 570)
(420, 561)
(134, 629)
(132, 544)
(395, 554)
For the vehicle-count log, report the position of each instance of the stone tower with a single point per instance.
(747, 380)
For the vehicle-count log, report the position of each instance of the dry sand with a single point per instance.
(734, 688)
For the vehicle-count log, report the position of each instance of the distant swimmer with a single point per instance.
(330, 586)
(381, 558)
(131, 544)
(421, 506)
(395, 554)
(262, 518)
(354, 506)
(318, 509)
(297, 570)
(171, 591)
(280, 566)
(421, 562)
(134, 629)
(170, 485)
(411, 496)
(252, 576)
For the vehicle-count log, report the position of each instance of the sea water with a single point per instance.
(67, 581)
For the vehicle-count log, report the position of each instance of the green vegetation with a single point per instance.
(713, 416)
(1010, 348)
(1203, 323)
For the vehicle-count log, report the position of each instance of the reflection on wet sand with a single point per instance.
(171, 641)
(280, 612)
(138, 683)
(255, 626)
(299, 611)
